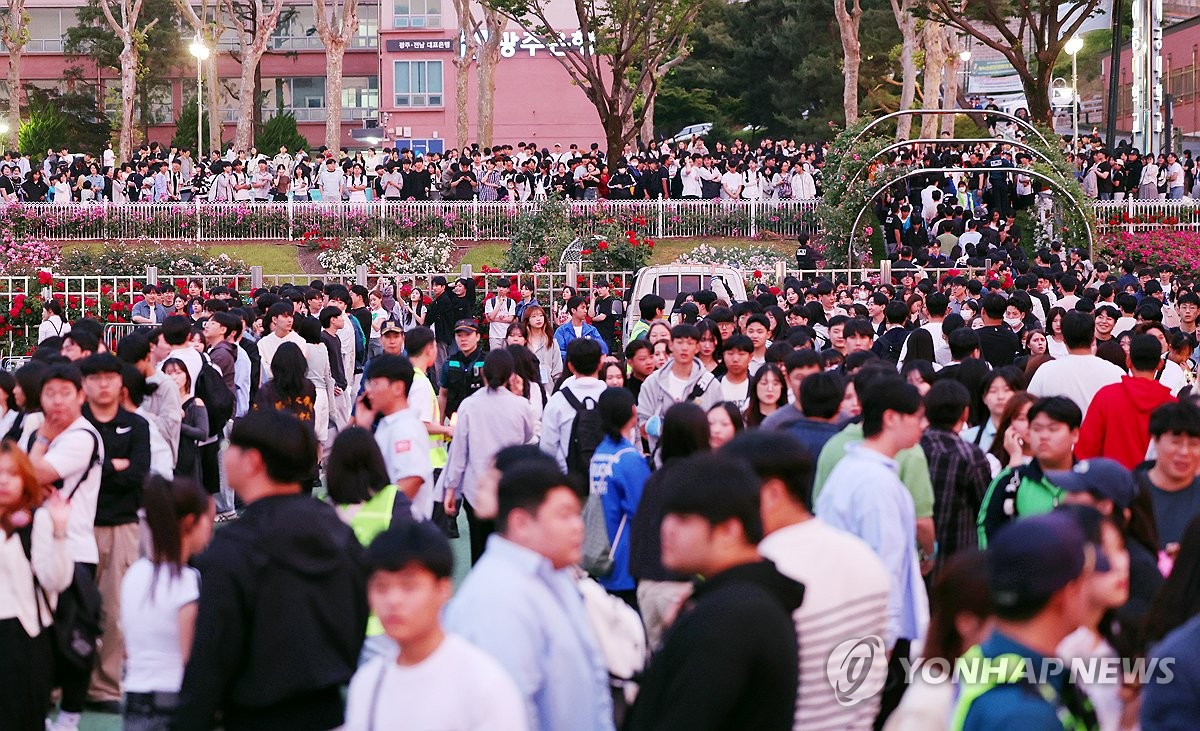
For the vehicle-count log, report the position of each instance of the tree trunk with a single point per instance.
(489, 56)
(1037, 94)
(848, 22)
(934, 38)
(334, 54)
(908, 64)
(647, 131)
(14, 98)
(129, 69)
(248, 89)
(14, 34)
(463, 60)
(212, 89)
(951, 68)
(462, 120)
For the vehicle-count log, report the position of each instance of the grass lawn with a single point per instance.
(273, 258)
(666, 251)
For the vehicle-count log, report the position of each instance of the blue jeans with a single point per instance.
(149, 711)
(1175, 193)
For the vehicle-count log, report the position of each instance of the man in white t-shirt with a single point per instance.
(499, 312)
(400, 434)
(735, 383)
(436, 680)
(1079, 374)
(845, 593)
(66, 454)
(279, 319)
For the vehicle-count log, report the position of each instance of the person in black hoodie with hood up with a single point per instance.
(730, 659)
(283, 599)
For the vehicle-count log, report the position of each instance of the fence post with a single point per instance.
(573, 270)
(291, 219)
(256, 278)
(885, 271)
(151, 275)
(475, 218)
(659, 234)
(1129, 216)
(360, 275)
(382, 215)
(780, 271)
(753, 220)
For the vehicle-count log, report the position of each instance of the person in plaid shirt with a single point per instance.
(958, 469)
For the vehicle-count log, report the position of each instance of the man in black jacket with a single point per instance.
(998, 343)
(283, 599)
(730, 659)
(441, 318)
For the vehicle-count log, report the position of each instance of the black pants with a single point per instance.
(894, 687)
(210, 467)
(26, 677)
(73, 681)
(480, 530)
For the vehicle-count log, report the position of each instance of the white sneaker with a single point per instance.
(66, 721)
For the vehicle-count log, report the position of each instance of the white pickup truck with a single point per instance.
(669, 280)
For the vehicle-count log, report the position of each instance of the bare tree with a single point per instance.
(1005, 25)
(950, 71)
(210, 32)
(907, 23)
(255, 30)
(14, 34)
(848, 20)
(336, 31)
(488, 54)
(131, 37)
(468, 28)
(632, 38)
(933, 39)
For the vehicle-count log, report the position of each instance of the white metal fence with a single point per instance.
(474, 220)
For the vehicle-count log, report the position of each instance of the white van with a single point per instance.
(669, 280)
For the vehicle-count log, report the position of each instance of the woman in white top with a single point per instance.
(1055, 345)
(541, 342)
(33, 548)
(159, 597)
(62, 189)
(411, 311)
(52, 320)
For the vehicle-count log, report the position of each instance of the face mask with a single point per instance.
(1012, 321)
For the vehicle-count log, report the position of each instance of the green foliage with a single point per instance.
(185, 126)
(43, 130)
(132, 257)
(159, 49)
(1096, 46)
(84, 126)
(538, 238)
(279, 130)
(775, 64)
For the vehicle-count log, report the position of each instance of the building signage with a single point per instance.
(417, 45)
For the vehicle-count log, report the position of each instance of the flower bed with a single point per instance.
(423, 254)
(1176, 246)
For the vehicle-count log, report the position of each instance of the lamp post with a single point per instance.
(1073, 47)
(200, 51)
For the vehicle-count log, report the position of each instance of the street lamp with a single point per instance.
(200, 51)
(1073, 47)
(965, 57)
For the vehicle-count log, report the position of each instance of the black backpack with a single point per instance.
(217, 398)
(587, 432)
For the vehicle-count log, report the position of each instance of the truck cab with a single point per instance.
(669, 280)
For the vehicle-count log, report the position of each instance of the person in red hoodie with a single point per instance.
(1117, 424)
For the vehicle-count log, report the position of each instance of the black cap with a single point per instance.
(466, 324)
(1031, 559)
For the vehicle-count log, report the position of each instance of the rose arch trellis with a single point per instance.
(848, 196)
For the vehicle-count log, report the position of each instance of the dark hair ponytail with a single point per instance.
(616, 407)
(166, 503)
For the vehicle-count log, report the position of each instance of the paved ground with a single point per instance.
(462, 563)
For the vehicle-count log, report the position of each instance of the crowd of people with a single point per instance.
(678, 529)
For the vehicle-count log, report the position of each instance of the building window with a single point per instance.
(47, 26)
(418, 84)
(417, 14)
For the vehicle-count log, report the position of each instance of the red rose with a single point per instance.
(89, 302)
(586, 252)
(45, 278)
(758, 274)
(774, 290)
(602, 246)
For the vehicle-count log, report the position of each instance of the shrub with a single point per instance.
(279, 130)
(173, 257)
(400, 256)
(23, 256)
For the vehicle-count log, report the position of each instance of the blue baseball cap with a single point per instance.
(1100, 476)
(1031, 559)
